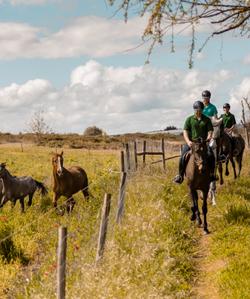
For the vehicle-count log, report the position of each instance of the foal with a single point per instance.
(14, 188)
(67, 182)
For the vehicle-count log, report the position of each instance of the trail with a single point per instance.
(205, 286)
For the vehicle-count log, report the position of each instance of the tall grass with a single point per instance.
(150, 255)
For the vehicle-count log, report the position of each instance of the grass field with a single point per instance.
(153, 254)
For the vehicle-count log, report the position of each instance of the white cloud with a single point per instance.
(90, 35)
(115, 99)
(238, 93)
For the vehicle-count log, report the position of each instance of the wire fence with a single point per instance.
(98, 235)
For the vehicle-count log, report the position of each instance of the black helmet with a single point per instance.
(206, 94)
(198, 105)
(226, 105)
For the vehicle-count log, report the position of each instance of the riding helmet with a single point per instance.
(226, 105)
(206, 94)
(198, 105)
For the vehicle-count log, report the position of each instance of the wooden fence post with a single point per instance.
(144, 152)
(103, 226)
(247, 136)
(135, 152)
(127, 157)
(61, 262)
(163, 153)
(121, 197)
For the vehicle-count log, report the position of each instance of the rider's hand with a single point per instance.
(189, 143)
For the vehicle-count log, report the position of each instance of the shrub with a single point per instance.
(93, 131)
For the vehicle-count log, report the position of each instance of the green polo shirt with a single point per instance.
(210, 110)
(228, 120)
(198, 128)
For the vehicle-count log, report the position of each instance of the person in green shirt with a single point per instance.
(209, 109)
(196, 126)
(228, 119)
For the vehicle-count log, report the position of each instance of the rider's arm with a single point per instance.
(186, 138)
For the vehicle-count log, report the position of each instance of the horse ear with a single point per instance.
(3, 164)
(61, 153)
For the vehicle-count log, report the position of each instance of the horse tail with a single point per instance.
(41, 186)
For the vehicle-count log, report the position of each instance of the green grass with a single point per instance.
(150, 255)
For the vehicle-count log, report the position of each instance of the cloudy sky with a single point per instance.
(82, 66)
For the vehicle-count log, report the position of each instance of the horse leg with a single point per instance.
(204, 210)
(70, 204)
(233, 164)
(21, 199)
(13, 203)
(212, 192)
(195, 209)
(55, 198)
(220, 173)
(239, 162)
(85, 193)
(30, 199)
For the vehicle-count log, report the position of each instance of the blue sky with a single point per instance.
(72, 60)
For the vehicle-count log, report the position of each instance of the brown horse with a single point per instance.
(67, 182)
(198, 178)
(14, 188)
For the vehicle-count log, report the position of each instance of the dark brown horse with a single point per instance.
(14, 188)
(231, 147)
(198, 178)
(67, 182)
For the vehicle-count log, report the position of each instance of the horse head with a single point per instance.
(216, 122)
(57, 162)
(199, 151)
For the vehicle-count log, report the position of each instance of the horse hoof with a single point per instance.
(193, 218)
(226, 174)
(214, 204)
(206, 232)
(199, 223)
(60, 211)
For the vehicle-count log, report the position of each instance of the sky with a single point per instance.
(83, 66)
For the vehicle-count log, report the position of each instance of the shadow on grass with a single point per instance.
(8, 251)
(239, 214)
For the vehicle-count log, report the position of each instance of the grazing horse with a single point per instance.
(67, 182)
(198, 178)
(14, 188)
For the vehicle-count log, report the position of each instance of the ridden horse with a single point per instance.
(238, 150)
(198, 178)
(68, 181)
(14, 188)
(229, 147)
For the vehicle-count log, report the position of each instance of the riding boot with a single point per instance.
(180, 177)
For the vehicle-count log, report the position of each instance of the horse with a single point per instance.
(14, 188)
(67, 182)
(238, 150)
(198, 178)
(228, 146)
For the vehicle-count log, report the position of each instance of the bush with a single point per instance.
(93, 131)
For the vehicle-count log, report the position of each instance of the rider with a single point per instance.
(228, 119)
(196, 126)
(209, 109)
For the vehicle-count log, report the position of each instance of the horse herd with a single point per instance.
(66, 182)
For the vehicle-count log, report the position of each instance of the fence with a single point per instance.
(129, 162)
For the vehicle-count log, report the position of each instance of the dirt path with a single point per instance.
(205, 286)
